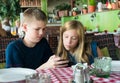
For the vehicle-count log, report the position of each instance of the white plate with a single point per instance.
(15, 74)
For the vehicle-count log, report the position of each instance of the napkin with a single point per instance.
(115, 66)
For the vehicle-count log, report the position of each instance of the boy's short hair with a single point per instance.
(34, 13)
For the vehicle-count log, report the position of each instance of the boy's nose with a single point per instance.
(40, 31)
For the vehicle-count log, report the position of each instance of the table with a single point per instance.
(114, 78)
(59, 75)
(64, 75)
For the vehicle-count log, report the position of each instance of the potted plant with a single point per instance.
(91, 6)
(9, 9)
(84, 9)
(75, 11)
(113, 4)
(63, 9)
(80, 3)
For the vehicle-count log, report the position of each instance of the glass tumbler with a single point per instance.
(34, 78)
(38, 78)
(13, 31)
(102, 66)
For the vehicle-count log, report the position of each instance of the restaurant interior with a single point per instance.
(101, 24)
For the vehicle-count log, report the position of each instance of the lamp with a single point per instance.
(118, 14)
(93, 16)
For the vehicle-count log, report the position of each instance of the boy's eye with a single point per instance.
(36, 29)
(44, 29)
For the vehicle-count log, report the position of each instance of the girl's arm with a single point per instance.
(100, 54)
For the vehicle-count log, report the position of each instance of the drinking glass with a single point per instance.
(102, 66)
(13, 31)
(38, 78)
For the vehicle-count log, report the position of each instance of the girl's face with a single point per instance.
(70, 39)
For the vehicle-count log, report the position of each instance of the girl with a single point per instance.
(73, 46)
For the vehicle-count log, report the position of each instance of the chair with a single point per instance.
(107, 40)
(4, 41)
(53, 41)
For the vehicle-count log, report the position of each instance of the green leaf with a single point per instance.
(92, 2)
(63, 6)
(9, 8)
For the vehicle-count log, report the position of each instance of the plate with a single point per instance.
(15, 74)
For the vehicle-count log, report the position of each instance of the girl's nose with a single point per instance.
(69, 40)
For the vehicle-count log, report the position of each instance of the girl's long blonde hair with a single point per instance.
(82, 49)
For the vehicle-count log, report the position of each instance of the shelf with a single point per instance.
(30, 3)
(29, 6)
(54, 24)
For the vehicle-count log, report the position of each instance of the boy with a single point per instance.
(33, 51)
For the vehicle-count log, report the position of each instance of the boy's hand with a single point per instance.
(56, 61)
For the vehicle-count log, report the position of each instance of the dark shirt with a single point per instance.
(72, 60)
(19, 55)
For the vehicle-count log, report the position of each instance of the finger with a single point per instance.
(57, 59)
(52, 57)
(63, 65)
(62, 62)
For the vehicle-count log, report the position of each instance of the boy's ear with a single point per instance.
(24, 27)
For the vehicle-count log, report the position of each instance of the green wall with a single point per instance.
(107, 20)
(44, 6)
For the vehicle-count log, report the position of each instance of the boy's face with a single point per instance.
(35, 30)
(17, 24)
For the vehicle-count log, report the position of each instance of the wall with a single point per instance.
(107, 20)
(44, 6)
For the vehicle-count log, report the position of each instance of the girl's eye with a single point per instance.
(74, 38)
(66, 36)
